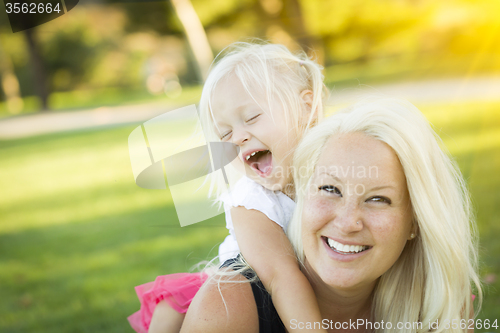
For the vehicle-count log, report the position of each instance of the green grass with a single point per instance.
(84, 99)
(77, 234)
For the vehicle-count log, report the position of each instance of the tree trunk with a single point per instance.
(10, 84)
(196, 36)
(285, 25)
(295, 25)
(39, 75)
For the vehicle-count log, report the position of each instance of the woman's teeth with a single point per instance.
(346, 248)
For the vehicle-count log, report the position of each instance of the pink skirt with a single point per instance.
(177, 290)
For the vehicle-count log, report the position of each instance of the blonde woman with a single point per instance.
(383, 232)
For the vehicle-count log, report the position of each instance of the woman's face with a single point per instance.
(357, 214)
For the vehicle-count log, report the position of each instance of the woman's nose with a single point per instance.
(348, 217)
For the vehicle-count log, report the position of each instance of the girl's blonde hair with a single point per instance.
(432, 278)
(270, 71)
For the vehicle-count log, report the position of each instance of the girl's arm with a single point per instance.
(266, 248)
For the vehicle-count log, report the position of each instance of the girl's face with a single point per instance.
(260, 130)
(357, 215)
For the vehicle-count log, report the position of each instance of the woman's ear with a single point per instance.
(414, 231)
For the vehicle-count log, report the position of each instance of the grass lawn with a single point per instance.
(89, 99)
(77, 234)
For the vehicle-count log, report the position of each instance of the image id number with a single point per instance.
(471, 324)
(31, 8)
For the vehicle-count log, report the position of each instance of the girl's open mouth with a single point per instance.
(261, 161)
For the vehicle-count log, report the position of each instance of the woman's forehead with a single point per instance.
(357, 155)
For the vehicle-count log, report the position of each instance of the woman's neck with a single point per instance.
(342, 305)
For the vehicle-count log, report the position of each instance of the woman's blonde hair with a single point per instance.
(270, 71)
(433, 277)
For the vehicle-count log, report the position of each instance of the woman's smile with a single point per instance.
(344, 247)
(348, 252)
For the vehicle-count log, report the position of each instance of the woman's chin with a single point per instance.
(341, 277)
(339, 280)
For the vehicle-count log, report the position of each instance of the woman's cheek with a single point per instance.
(316, 213)
(389, 233)
(390, 227)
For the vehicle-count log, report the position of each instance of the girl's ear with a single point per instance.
(307, 98)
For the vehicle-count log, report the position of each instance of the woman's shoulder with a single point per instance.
(225, 306)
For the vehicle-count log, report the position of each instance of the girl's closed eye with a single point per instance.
(331, 189)
(253, 118)
(225, 135)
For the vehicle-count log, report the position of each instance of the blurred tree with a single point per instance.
(293, 18)
(285, 24)
(196, 36)
(10, 83)
(160, 17)
(68, 57)
(39, 74)
(155, 16)
(118, 44)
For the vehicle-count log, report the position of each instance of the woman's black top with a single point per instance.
(269, 321)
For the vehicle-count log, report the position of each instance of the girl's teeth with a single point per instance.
(252, 154)
(345, 248)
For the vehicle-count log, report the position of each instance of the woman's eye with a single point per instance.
(253, 118)
(331, 189)
(381, 199)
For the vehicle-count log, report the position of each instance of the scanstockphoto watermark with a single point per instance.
(362, 324)
(359, 324)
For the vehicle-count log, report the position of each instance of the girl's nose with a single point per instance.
(240, 137)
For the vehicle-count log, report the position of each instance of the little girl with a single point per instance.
(261, 98)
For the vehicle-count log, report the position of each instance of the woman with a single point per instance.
(382, 231)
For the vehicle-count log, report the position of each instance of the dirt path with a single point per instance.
(449, 90)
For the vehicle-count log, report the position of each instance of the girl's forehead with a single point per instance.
(230, 96)
(231, 84)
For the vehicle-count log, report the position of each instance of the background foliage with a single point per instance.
(76, 233)
(111, 44)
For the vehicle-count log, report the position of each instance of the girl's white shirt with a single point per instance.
(247, 193)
